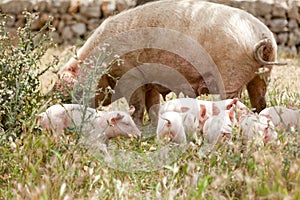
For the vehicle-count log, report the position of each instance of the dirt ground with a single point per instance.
(287, 76)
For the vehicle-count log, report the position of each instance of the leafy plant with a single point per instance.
(20, 70)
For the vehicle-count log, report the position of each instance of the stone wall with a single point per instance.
(281, 16)
(75, 19)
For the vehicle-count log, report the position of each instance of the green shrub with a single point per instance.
(20, 69)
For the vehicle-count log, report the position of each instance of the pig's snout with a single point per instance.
(131, 132)
(139, 134)
(136, 135)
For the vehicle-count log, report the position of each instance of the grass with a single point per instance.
(40, 166)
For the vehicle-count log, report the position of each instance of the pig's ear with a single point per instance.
(184, 109)
(231, 113)
(268, 121)
(115, 119)
(202, 111)
(40, 116)
(266, 116)
(233, 102)
(169, 123)
(215, 109)
(131, 109)
(292, 107)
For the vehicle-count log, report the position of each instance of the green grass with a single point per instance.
(40, 166)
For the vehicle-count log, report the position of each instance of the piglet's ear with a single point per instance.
(266, 116)
(40, 116)
(215, 109)
(184, 109)
(169, 123)
(115, 119)
(202, 111)
(292, 107)
(231, 113)
(119, 116)
(131, 109)
(233, 102)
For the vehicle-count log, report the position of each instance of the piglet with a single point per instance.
(61, 116)
(260, 128)
(282, 117)
(176, 127)
(194, 105)
(202, 109)
(115, 123)
(111, 124)
(219, 125)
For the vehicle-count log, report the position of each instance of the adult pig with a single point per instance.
(238, 44)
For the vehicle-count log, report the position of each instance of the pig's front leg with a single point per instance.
(257, 91)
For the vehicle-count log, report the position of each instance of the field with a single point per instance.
(37, 165)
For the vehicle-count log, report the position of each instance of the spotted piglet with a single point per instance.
(283, 118)
(203, 109)
(219, 125)
(258, 128)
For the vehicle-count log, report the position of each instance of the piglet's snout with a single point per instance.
(134, 131)
(137, 134)
(129, 129)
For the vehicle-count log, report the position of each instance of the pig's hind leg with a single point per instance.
(257, 91)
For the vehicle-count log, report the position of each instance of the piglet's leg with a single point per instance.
(257, 91)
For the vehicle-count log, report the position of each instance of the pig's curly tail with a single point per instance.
(268, 48)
